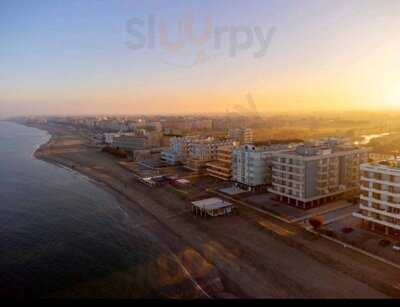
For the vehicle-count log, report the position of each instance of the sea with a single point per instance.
(61, 235)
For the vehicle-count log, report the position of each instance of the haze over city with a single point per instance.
(76, 57)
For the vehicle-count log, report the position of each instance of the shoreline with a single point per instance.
(43, 153)
(234, 263)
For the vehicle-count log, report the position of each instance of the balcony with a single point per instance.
(381, 202)
(381, 222)
(390, 183)
(380, 211)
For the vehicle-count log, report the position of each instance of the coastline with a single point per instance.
(223, 264)
(47, 153)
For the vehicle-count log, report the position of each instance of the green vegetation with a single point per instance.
(387, 144)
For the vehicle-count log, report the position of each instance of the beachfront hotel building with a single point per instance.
(380, 197)
(130, 142)
(251, 165)
(136, 145)
(318, 172)
(193, 152)
(221, 168)
(203, 151)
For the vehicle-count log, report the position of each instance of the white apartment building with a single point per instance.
(251, 165)
(109, 138)
(203, 151)
(315, 173)
(380, 197)
(193, 152)
(178, 151)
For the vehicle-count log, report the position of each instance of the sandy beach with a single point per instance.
(246, 256)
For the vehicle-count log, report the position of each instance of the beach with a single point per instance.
(246, 256)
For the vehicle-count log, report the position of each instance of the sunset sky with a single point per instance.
(76, 57)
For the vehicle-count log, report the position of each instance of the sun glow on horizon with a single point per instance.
(323, 56)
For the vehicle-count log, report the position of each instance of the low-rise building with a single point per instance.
(315, 173)
(380, 197)
(212, 207)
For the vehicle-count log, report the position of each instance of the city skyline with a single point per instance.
(82, 57)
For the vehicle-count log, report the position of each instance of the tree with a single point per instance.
(316, 222)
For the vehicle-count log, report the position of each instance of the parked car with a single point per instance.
(396, 246)
(347, 229)
(384, 243)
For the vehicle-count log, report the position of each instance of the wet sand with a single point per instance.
(247, 256)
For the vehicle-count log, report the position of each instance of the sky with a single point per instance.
(191, 56)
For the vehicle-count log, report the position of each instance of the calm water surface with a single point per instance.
(59, 231)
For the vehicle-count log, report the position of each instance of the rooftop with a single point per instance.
(312, 150)
(211, 203)
(277, 142)
(395, 164)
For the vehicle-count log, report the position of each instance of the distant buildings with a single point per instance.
(315, 173)
(380, 197)
(178, 151)
(111, 125)
(194, 152)
(376, 157)
(251, 165)
(241, 135)
(133, 142)
(183, 125)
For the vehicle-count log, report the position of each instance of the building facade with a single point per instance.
(251, 165)
(203, 151)
(380, 197)
(178, 151)
(130, 142)
(241, 135)
(191, 151)
(221, 168)
(313, 174)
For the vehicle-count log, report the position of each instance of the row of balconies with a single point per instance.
(287, 192)
(393, 204)
(379, 211)
(387, 222)
(385, 182)
(288, 161)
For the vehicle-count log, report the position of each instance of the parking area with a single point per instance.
(350, 230)
(267, 202)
